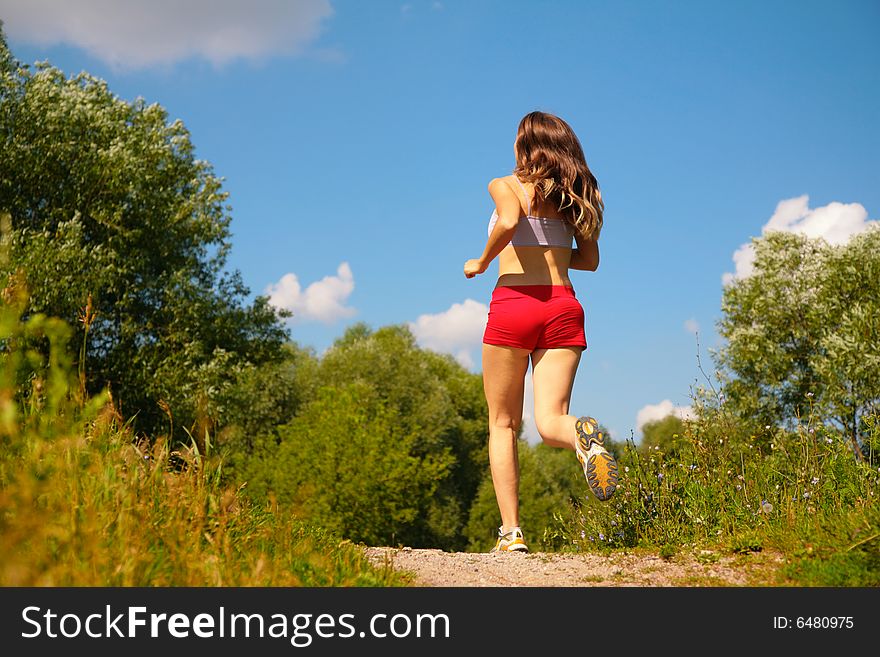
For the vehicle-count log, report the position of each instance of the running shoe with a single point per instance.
(599, 466)
(511, 541)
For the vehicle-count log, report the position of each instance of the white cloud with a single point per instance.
(133, 34)
(659, 411)
(691, 325)
(457, 331)
(836, 223)
(322, 301)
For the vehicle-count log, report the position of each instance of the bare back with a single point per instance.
(533, 265)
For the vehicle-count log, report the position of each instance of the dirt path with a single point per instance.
(703, 568)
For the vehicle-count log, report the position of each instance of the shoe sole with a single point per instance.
(600, 468)
(520, 547)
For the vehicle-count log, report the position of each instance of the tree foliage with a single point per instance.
(802, 333)
(662, 433)
(107, 199)
(383, 424)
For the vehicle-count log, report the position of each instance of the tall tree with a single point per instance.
(107, 199)
(803, 333)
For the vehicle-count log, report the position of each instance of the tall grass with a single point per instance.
(800, 491)
(84, 502)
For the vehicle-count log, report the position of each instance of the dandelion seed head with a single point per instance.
(766, 507)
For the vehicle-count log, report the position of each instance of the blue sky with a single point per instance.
(356, 140)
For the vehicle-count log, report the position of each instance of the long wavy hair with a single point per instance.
(550, 156)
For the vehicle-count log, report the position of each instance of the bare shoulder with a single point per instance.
(499, 186)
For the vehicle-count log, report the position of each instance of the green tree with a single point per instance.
(347, 463)
(802, 333)
(107, 199)
(423, 407)
(661, 433)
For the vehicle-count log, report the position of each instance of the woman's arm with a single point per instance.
(508, 209)
(586, 256)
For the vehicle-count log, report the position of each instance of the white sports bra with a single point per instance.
(537, 231)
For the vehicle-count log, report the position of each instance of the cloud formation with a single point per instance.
(322, 301)
(136, 34)
(457, 331)
(652, 412)
(691, 325)
(836, 223)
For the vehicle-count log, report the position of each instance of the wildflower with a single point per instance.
(626, 468)
(809, 394)
(601, 536)
(812, 430)
(766, 507)
(692, 467)
(614, 523)
(777, 486)
(660, 477)
(829, 441)
(739, 486)
(583, 534)
(806, 494)
(814, 480)
(656, 448)
(767, 426)
(740, 477)
(721, 441)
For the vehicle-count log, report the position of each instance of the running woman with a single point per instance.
(534, 315)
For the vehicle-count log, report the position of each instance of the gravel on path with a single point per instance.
(703, 568)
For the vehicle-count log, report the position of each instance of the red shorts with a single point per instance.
(535, 317)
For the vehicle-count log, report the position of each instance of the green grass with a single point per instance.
(800, 493)
(84, 502)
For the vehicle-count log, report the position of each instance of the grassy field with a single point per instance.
(800, 492)
(85, 502)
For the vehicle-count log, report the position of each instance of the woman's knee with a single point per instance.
(504, 424)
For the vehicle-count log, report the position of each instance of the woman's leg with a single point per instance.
(553, 372)
(504, 372)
